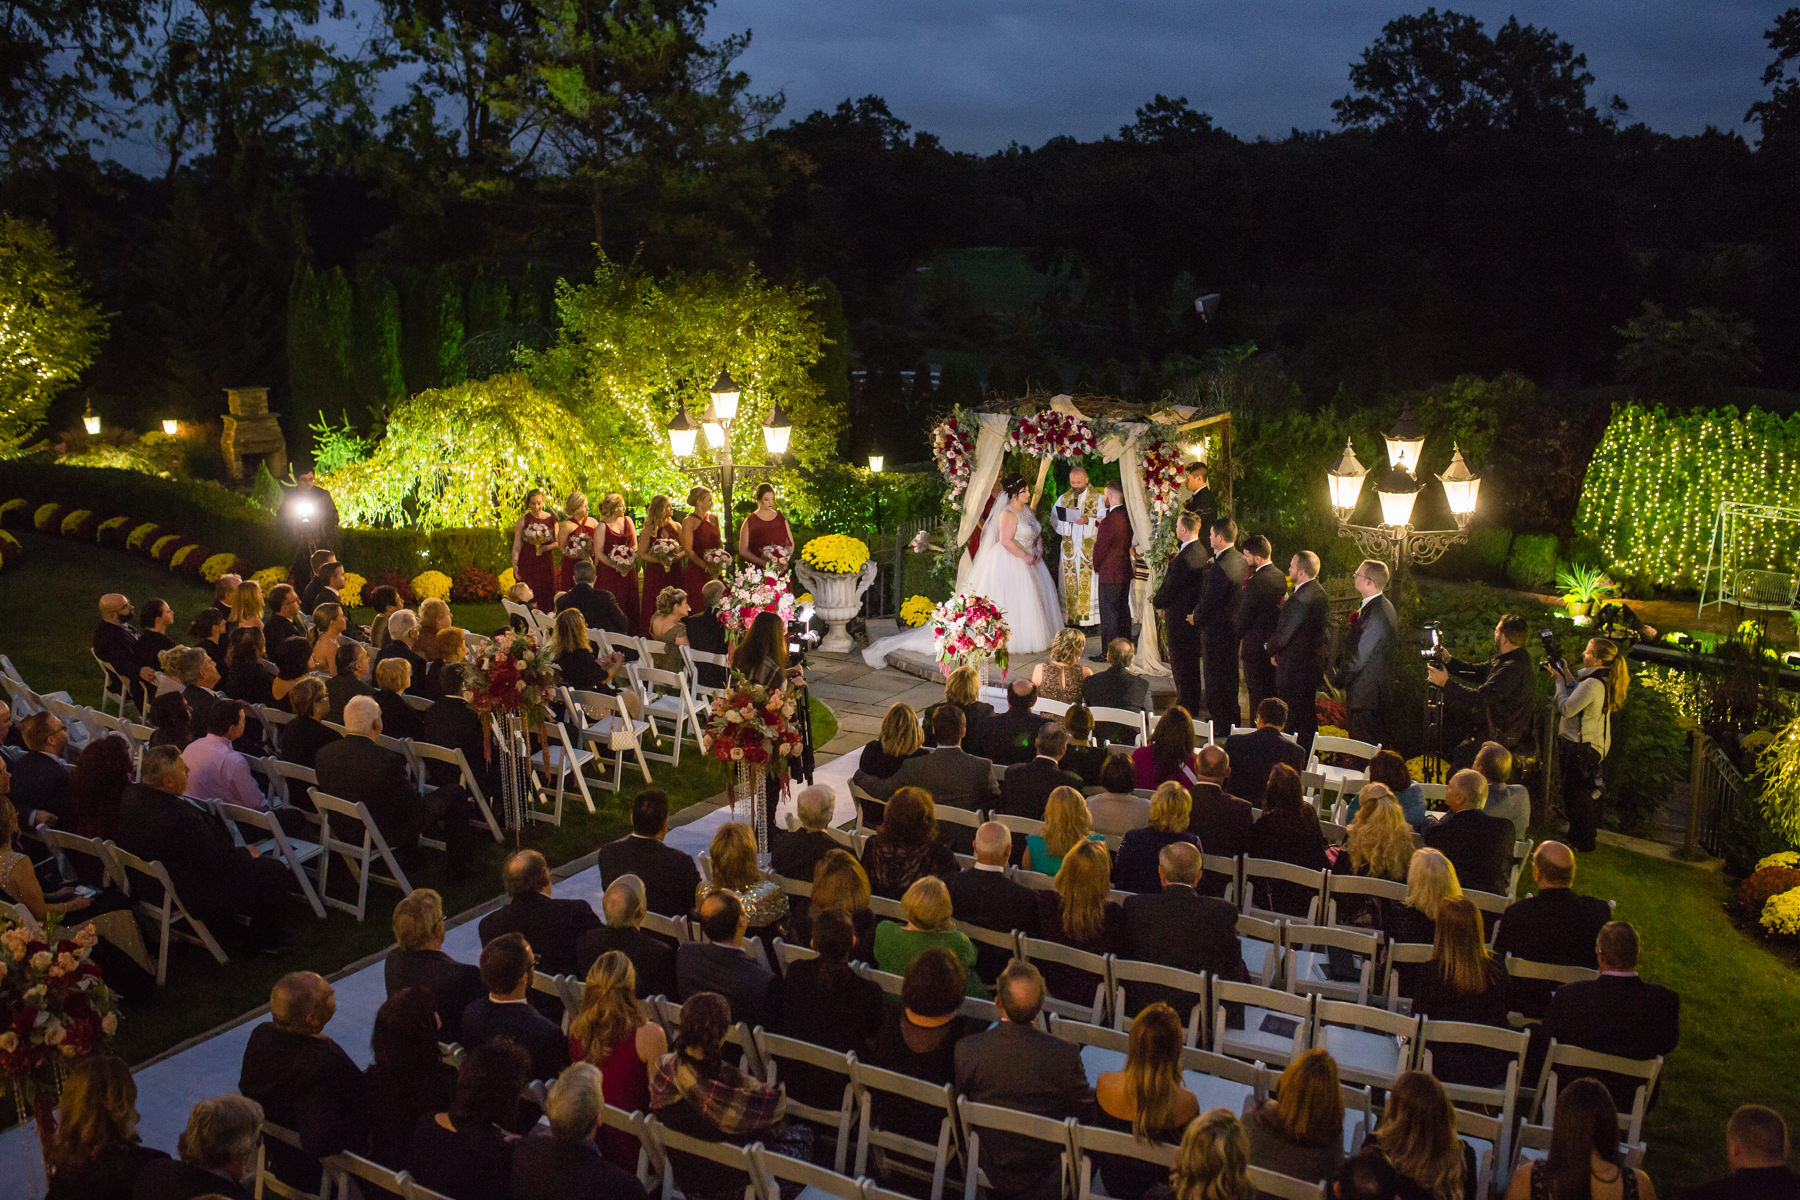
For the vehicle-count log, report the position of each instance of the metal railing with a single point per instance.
(888, 550)
(1715, 790)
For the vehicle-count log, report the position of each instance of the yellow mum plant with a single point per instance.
(268, 577)
(916, 611)
(1786, 858)
(163, 545)
(1781, 915)
(507, 579)
(431, 585)
(44, 515)
(350, 595)
(217, 567)
(10, 507)
(107, 526)
(179, 559)
(139, 537)
(836, 552)
(73, 521)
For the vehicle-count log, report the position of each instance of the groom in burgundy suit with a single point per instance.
(1112, 570)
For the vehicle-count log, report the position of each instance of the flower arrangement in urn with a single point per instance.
(755, 590)
(838, 553)
(969, 630)
(513, 674)
(754, 725)
(54, 1008)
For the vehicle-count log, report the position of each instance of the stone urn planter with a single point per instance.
(837, 598)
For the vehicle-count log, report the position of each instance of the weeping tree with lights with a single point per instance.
(49, 333)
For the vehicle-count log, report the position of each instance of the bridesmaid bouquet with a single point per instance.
(581, 545)
(969, 630)
(539, 534)
(776, 558)
(663, 551)
(717, 561)
(622, 557)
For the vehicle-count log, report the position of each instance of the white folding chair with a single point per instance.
(1345, 886)
(345, 1168)
(692, 660)
(1038, 950)
(560, 759)
(1575, 1059)
(775, 1050)
(1552, 973)
(270, 1184)
(1324, 744)
(773, 1169)
(1055, 1135)
(63, 844)
(1370, 1045)
(1184, 991)
(1218, 1081)
(608, 729)
(1274, 870)
(1276, 1186)
(270, 838)
(1091, 1142)
(1260, 941)
(1487, 1136)
(1050, 708)
(1501, 1098)
(1493, 906)
(360, 856)
(75, 718)
(1521, 854)
(665, 694)
(165, 909)
(879, 1093)
(452, 756)
(1403, 954)
(1132, 719)
(1307, 960)
(676, 929)
(672, 1147)
(1026, 826)
(113, 686)
(1277, 1026)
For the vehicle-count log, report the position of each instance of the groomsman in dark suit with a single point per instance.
(1200, 499)
(1367, 672)
(1177, 598)
(1221, 594)
(1112, 570)
(1298, 646)
(1258, 611)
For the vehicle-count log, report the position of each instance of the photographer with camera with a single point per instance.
(1586, 700)
(1498, 694)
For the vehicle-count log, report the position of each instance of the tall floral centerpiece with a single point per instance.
(755, 590)
(753, 731)
(969, 630)
(511, 682)
(837, 570)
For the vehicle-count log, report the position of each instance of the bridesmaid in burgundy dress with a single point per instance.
(534, 550)
(616, 529)
(579, 538)
(764, 527)
(699, 533)
(659, 524)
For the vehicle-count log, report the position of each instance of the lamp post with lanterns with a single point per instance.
(716, 424)
(1397, 488)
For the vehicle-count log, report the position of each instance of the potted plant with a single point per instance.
(837, 570)
(1582, 587)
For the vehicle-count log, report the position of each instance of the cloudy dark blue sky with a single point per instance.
(983, 73)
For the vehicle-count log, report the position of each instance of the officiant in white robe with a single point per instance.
(1076, 517)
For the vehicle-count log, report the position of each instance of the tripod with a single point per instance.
(1434, 758)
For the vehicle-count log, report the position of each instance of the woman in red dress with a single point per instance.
(763, 528)
(699, 533)
(533, 551)
(659, 525)
(579, 538)
(616, 529)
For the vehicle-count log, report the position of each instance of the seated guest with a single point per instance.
(1588, 1013)
(1085, 756)
(1139, 851)
(1066, 823)
(1366, 1175)
(983, 896)
(1463, 982)
(1584, 1162)
(733, 853)
(434, 618)
(706, 634)
(1288, 831)
(1378, 845)
(1478, 845)
(466, 1152)
(1221, 821)
(327, 583)
(1060, 676)
(694, 1090)
(205, 631)
(566, 1163)
(385, 600)
(216, 770)
(652, 957)
(1179, 927)
(1117, 687)
(668, 625)
(1213, 1160)
(409, 1078)
(1556, 925)
(1170, 753)
(1417, 1135)
(947, 771)
(355, 769)
(292, 664)
(1011, 737)
(901, 739)
(1509, 800)
(521, 595)
(839, 882)
(190, 667)
(225, 594)
(506, 970)
(962, 691)
(418, 961)
(450, 722)
(247, 607)
(824, 1002)
(351, 680)
(1430, 881)
(40, 776)
(96, 1154)
(552, 926)
(670, 877)
(1299, 1132)
(218, 1155)
(97, 783)
(1016, 1065)
(249, 676)
(303, 737)
(599, 609)
(906, 847)
(1146, 1099)
(116, 644)
(919, 1038)
(1252, 755)
(1756, 1146)
(1026, 786)
(393, 677)
(284, 617)
(609, 1032)
(1389, 769)
(1117, 809)
(929, 923)
(1079, 911)
(154, 624)
(721, 964)
(330, 623)
(303, 1079)
(793, 854)
(217, 881)
(170, 718)
(452, 650)
(401, 628)
(578, 661)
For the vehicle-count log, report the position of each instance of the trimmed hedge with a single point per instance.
(1531, 563)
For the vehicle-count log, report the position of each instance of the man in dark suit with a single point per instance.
(652, 957)
(1018, 1066)
(326, 587)
(1215, 615)
(1367, 673)
(566, 1163)
(1011, 736)
(115, 644)
(670, 877)
(1176, 598)
(1557, 925)
(1756, 1146)
(506, 966)
(1299, 646)
(982, 895)
(1178, 927)
(1027, 785)
(1117, 687)
(418, 960)
(1259, 610)
(598, 608)
(1253, 755)
(794, 854)
(451, 723)
(351, 680)
(706, 633)
(1112, 569)
(303, 1079)
(720, 964)
(284, 617)
(40, 776)
(1479, 846)
(1200, 500)
(354, 769)
(218, 1154)
(1618, 1013)
(952, 775)
(216, 880)
(552, 926)
(1498, 697)
(1219, 819)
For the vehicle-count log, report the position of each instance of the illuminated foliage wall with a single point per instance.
(1656, 481)
(49, 333)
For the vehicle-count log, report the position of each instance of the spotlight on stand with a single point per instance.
(305, 510)
(776, 430)
(682, 433)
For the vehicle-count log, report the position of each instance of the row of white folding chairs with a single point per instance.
(344, 1176)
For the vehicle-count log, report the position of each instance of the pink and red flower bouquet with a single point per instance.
(1052, 434)
(755, 590)
(755, 725)
(1165, 472)
(513, 674)
(54, 1006)
(969, 629)
(953, 446)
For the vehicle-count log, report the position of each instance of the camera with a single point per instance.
(1433, 651)
(1553, 655)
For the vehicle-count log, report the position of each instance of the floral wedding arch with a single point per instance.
(1151, 445)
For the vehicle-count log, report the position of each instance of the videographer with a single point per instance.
(309, 516)
(761, 658)
(1499, 693)
(1586, 701)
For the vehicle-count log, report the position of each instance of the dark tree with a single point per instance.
(1779, 112)
(65, 75)
(1164, 122)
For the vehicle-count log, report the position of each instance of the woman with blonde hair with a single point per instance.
(901, 738)
(1430, 880)
(1417, 1135)
(699, 535)
(839, 882)
(659, 525)
(96, 1154)
(247, 606)
(1586, 703)
(610, 1031)
(930, 923)
(577, 536)
(1146, 1099)
(329, 621)
(962, 687)
(1079, 911)
(668, 625)
(1379, 845)
(534, 540)
(616, 531)
(1213, 1162)
(1060, 678)
(1171, 809)
(434, 618)
(1300, 1131)
(1066, 822)
(733, 857)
